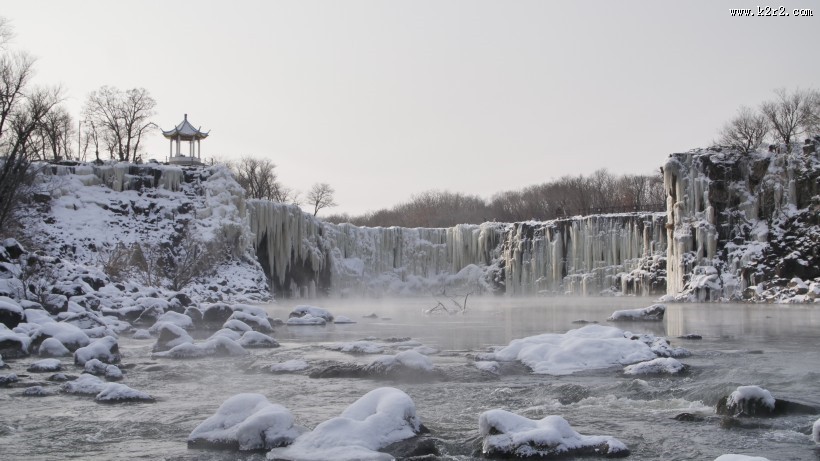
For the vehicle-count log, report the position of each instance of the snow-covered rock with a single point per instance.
(13, 345)
(307, 319)
(37, 391)
(174, 318)
(587, 348)
(85, 384)
(118, 393)
(313, 311)
(142, 333)
(259, 322)
(104, 349)
(379, 418)
(237, 326)
(255, 339)
(215, 346)
(748, 401)
(69, 335)
(246, 422)
(170, 335)
(490, 366)
(508, 434)
(45, 366)
(661, 365)
(357, 347)
(406, 365)
(342, 320)
(52, 347)
(11, 314)
(97, 368)
(653, 313)
(289, 366)
(8, 379)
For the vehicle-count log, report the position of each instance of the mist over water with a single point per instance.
(774, 347)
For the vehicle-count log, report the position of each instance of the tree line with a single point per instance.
(600, 192)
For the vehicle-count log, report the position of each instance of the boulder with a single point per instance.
(302, 311)
(758, 402)
(169, 336)
(14, 345)
(45, 366)
(246, 422)
(380, 418)
(508, 434)
(120, 393)
(11, 314)
(104, 349)
(52, 347)
(653, 313)
(216, 314)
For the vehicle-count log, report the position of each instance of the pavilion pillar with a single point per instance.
(198, 149)
(170, 148)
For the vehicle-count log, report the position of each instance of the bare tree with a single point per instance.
(57, 131)
(121, 119)
(321, 196)
(787, 113)
(259, 179)
(21, 113)
(746, 131)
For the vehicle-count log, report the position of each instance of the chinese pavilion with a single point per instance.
(185, 132)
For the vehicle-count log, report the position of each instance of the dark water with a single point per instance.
(775, 347)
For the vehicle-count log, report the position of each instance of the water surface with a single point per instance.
(771, 346)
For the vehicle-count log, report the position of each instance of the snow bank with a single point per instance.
(246, 422)
(506, 433)
(379, 418)
(588, 348)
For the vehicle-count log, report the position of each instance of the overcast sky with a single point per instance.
(385, 99)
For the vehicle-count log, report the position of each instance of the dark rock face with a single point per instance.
(216, 314)
(12, 348)
(742, 226)
(11, 317)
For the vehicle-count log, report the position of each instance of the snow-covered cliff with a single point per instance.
(742, 226)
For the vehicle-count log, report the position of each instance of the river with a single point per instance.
(773, 346)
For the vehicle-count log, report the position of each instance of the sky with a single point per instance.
(387, 99)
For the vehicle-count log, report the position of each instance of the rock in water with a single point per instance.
(246, 422)
(508, 434)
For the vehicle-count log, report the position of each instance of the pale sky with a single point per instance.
(385, 99)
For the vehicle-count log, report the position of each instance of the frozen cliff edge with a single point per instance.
(617, 253)
(743, 227)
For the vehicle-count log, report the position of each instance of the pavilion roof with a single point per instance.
(185, 131)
